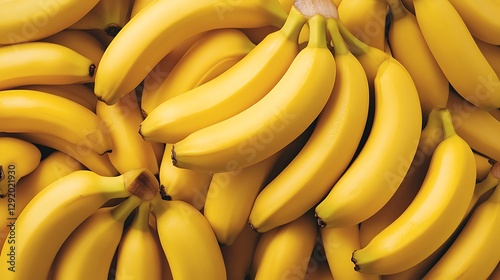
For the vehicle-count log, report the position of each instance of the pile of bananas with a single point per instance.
(257, 139)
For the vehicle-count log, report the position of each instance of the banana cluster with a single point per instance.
(258, 139)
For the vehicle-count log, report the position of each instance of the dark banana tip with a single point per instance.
(173, 156)
(92, 69)
(106, 152)
(320, 221)
(354, 261)
(253, 227)
(112, 30)
(164, 194)
(140, 132)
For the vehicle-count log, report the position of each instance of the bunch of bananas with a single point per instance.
(258, 139)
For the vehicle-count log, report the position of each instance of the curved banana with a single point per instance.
(481, 19)
(79, 93)
(325, 156)
(471, 75)
(338, 243)
(479, 128)
(98, 235)
(272, 122)
(187, 185)
(25, 20)
(139, 5)
(393, 139)
(233, 91)
(492, 55)
(202, 62)
(164, 24)
(121, 121)
(238, 256)
(62, 205)
(187, 238)
(18, 158)
(434, 214)
(80, 41)
(43, 63)
(139, 255)
(29, 111)
(287, 247)
(107, 15)
(408, 46)
(365, 19)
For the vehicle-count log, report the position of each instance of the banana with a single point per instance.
(139, 254)
(235, 90)
(325, 156)
(366, 19)
(476, 251)
(79, 93)
(433, 215)
(479, 128)
(98, 235)
(492, 55)
(272, 122)
(430, 137)
(56, 211)
(122, 121)
(187, 238)
(80, 41)
(18, 158)
(471, 75)
(483, 167)
(107, 15)
(43, 63)
(29, 111)
(480, 17)
(161, 26)
(138, 5)
(238, 256)
(393, 139)
(202, 62)
(183, 184)
(287, 250)
(408, 46)
(25, 20)
(338, 243)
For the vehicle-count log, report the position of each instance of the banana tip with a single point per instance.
(320, 221)
(173, 156)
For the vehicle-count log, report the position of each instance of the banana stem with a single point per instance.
(310, 8)
(141, 220)
(339, 46)
(123, 210)
(317, 32)
(448, 128)
(356, 46)
(485, 185)
(398, 10)
(293, 24)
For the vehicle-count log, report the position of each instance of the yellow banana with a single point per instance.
(339, 243)
(187, 238)
(393, 139)
(98, 235)
(365, 19)
(238, 256)
(432, 216)
(122, 121)
(471, 75)
(483, 167)
(408, 46)
(183, 184)
(287, 249)
(79, 93)
(138, 5)
(479, 128)
(25, 20)
(326, 155)
(233, 91)
(161, 26)
(43, 63)
(492, 55)
(29, 111)
(51, 216)
(139, 254)
(18, 158)
(202, 62)
(272, 122)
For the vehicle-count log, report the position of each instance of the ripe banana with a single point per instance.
(138, 5)
(79, 93)
(139, 254)
(62, 205)
(187, 238)
(25, 20)
(161, 26)
(326, 155)
(121, 121)
(432, 216)
(238, 256)
(272, 122)
(238, 88)
(471, 75)
(338, 243)
(29, 111)
(385, 157)
(98, 235)
(492, 54)
(18, 158)
(408, 46)
(43, 63)
(201, 63)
